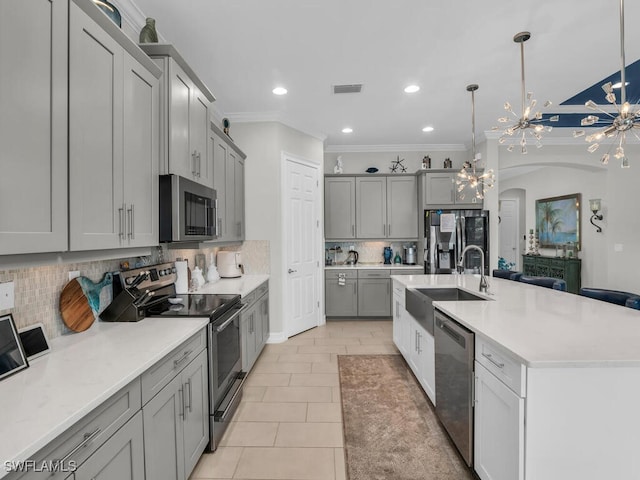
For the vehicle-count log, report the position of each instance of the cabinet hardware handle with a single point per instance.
(419, 337)
(199, 165)
(190, 397)
(291, 271)
(85, 441)
(185, 355)
(133, 222)
(121, 222)
(489, 357)
(129, 223)
(182, 409)
(474, 395)
(216, 220)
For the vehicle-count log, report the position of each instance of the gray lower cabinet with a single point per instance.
(33, 137)
(254, 325)
(361, 292)
(341, 293)
(374, 293)
(120, 458)
(176, 424)
(84, 443)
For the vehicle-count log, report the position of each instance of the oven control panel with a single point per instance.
(149, 277)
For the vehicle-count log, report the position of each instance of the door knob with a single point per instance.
(292, 271)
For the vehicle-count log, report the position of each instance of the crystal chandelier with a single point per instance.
(617, 126)
(529, 121)
(469, 176)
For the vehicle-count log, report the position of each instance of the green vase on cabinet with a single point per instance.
(148, 33)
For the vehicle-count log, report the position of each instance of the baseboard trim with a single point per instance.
(277, 337)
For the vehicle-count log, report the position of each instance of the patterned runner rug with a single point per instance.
(391, 431)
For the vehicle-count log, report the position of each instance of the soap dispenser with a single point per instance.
(212, 271)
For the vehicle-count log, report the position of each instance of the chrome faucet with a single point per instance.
(484, 285)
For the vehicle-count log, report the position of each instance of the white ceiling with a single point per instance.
(242, 49)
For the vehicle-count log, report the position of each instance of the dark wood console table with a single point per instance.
(567, 269)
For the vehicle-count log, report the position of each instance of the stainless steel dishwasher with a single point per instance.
(454, 347)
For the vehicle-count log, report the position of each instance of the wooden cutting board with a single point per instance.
(74, 307)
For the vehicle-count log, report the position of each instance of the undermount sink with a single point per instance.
(419, 302)
(448, 294)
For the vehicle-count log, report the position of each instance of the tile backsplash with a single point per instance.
(368, 252)
(37, 289)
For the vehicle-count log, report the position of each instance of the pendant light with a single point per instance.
(616, 126)
(527, 121)
(470, 177)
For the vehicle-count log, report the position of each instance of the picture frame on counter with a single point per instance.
(12, 356)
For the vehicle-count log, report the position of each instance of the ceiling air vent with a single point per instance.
(352, 88)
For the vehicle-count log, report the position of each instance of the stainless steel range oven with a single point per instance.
(226, 378)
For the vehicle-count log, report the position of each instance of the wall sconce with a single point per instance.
(594, 205)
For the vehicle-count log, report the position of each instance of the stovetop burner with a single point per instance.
(193, 305)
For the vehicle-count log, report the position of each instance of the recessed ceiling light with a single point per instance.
(279, 91)
(347, 130)
(427, 129)
(411, 89)
(619, 84)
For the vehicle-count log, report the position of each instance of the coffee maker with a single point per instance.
(409, 257)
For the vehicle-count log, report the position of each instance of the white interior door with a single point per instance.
(302, 234)
(508, 229)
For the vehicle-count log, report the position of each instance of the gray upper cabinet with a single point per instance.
(113, 141)
(402, 206)
(371, 207)
(438, 189)
(185, 111)
(228, 181)
(339, 207)
(387, 207)
(33, 126)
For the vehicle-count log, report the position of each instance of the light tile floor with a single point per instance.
(289, 423)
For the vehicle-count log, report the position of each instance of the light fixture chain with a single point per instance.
(522, 74)
(473, 125)
(623, 89)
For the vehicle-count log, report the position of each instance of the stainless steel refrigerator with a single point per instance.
(447, 232)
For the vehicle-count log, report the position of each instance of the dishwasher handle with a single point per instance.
(457, 334)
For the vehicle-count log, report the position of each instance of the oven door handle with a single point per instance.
(220, 328)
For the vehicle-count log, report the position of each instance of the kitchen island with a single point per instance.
(570, 368)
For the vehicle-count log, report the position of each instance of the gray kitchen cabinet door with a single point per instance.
(239, 199)
(248, 336)
(141, 144)
(402, 207)
(371, 207)
(374, 297)
(196, 418)
(96, 209)
(181, 159)
(163, 433)
(341, 300)
(263, 308)
(439, 189)
(339, 207)
(33, 133)
(198, 134)
(219, 149)
(230, 201)
(119, 458)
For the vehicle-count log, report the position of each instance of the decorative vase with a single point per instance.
(148, 33)
(110, 10)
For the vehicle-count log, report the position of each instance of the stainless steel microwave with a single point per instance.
(188, 210)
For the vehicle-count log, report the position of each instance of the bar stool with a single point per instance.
(617, 297)
(547, 282)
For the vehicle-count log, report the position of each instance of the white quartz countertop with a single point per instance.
(81, 371)
(361, 266)
(540, 326)
(239, 286)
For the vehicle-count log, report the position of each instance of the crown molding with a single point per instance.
(395, 148)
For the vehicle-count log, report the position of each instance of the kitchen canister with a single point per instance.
(182, 274)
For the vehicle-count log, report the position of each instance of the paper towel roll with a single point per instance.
(182, 280)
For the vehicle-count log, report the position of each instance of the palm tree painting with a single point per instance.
(558, 220)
